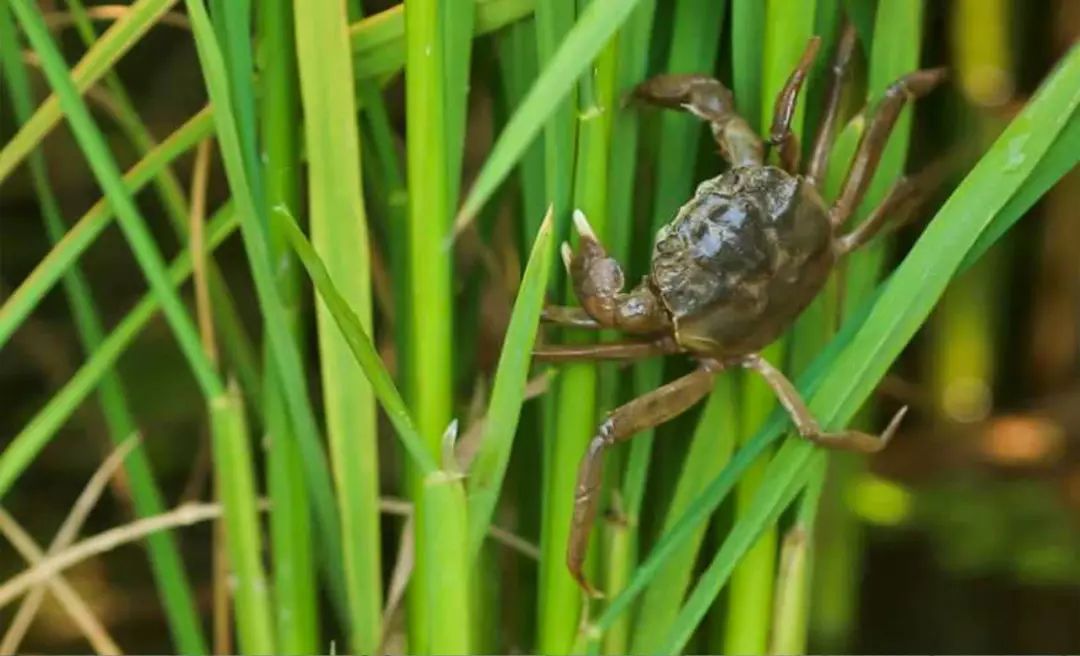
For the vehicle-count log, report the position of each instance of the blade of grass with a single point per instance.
(146, 496)
(116, 41)
(989, 203)
(579, 47)
(168, 186)
(295, 593)
(22, 449)
(105, 170)
(747, 37)
(78, 238)
(339, 234)
(236, 487)
(1035, 150)
(429, 379)
(378, 42)
(508, 391)
(285, 354)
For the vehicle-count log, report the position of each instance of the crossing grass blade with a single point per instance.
(580, 46)
(112, 45)
(285, 354)
(339, 233)
(1037, 149)
(378, 41)
(146, 495)
(489, 467)
(82, 234)
(22, 449)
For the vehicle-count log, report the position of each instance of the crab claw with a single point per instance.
(567, 255)
(581, 224)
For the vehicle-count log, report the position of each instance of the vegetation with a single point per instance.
(366, 258)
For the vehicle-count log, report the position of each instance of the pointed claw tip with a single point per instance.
(567, 255)
(581, 223)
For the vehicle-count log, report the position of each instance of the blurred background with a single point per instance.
(963, 536)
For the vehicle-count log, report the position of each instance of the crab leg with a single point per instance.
(819, 158)
(709, 100)
(573, 317)
(598, 283)
(646, 411)
(872, 143)
(805, 422)
(781, 134)
(610, 351)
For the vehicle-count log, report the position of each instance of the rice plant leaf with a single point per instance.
(360, 346)
(113, 44)
(378, 42)
(22, 449)
(108, 175)
(590, 33)
(488, 469)
(872, 338)
(338, 222)
(284, 351)
(80, 236)
(233, 464)
(165, 561)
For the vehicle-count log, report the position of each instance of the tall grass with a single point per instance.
(414, 267)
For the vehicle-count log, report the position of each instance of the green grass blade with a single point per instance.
(580, 46)
(339, 234)
(442, 530)
(295, 593)
(285, 353)
(123, 34)
(363, 351)
(236, 486)
(146, 496)
(747, 38)
(108, 175)
(378, 42)
(489, 467)
(40, 429)
(33, 288)
(429, 378)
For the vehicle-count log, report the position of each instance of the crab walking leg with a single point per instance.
(598, 283)
(646, 411)
(610, 351)
(805, 423)
(903, 192)
(781, 134)
(819, 157)
(573, 317)
(708, 99)
(872, 143)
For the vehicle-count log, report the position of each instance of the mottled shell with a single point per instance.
(742, 259)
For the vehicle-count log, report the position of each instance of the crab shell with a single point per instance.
(742, 259)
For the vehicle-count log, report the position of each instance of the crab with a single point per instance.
(734, 268)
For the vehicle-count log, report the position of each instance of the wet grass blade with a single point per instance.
(339, 234)
(489, 467)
